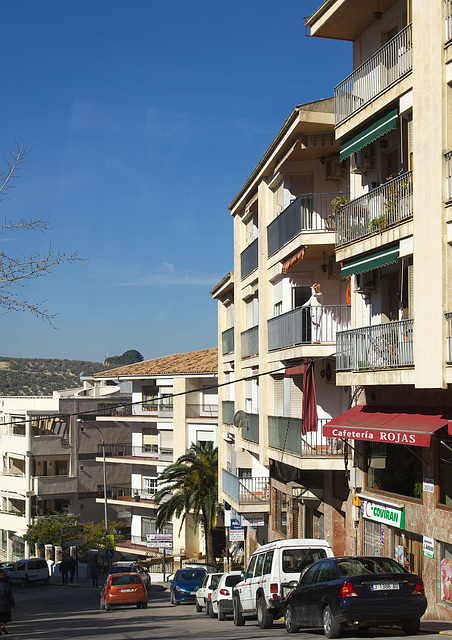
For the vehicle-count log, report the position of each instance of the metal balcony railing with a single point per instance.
(383, 69)
(250, 342)
(201, 410)
(385, 206)
(286, 434)
(115, 491)
(249, 259)
(449, 336)
(448, 157)
(308, 212)
(382, 346)
(246, 490)
(250, 431)
(448, 20)
(118, 450)
(307, 326)
(227, 341)
(227, 411)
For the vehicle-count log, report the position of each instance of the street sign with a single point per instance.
(109, 541)
(72, 536)
(237, 535)
(110, 553)
(168, 550)
(159, 537)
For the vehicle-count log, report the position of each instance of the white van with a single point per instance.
(265, 582)
(29, 570)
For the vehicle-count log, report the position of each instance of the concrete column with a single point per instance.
(48, 552)
(58, 554)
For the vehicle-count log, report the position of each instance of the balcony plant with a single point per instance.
(336, 204)
(379, 224)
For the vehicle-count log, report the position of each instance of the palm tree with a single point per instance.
(190, 485)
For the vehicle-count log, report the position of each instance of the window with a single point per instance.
(394, 468)
(150, 486)
(277, 309)
(446, 572)
(309, 576)
(325, 572)
(250, 570)
(259, 565)
(268, 562)
(150, 438)
(295, 560)
(61, 468)
(445, 472)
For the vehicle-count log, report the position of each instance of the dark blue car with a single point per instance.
(355, 591)
(185, 584)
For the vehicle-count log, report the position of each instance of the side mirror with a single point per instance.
(242, 575)
(293, 584)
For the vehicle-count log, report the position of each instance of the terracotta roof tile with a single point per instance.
(204, 361)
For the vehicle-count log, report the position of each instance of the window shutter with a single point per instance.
(150, 436)
(301, 184)
(296, 396)
(394, 289)
(278, 389)
(410, 292)
(166, 439)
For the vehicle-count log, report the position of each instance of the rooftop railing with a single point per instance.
(308, 212)
(286, 434)
(382, 346)
(386, 206)
(383, 69)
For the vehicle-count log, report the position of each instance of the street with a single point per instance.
(72, 611)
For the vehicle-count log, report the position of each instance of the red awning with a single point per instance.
(298, 370)
(407, 425)
(293, 261)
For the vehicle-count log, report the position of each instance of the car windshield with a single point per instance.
(295, 560)
(360, 566)
(122, 569)
(189, 574)
(129, 579)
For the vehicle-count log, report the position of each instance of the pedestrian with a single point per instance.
(72, 568)
(6, 603)
(64, 570)
(95, 571)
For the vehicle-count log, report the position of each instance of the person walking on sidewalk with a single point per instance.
(72, 567)
(6, 603)
(95, 571)
(64, 570)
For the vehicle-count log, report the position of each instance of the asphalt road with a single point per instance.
(72, 611)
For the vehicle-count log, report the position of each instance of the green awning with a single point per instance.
(381, 127)
(370, 261)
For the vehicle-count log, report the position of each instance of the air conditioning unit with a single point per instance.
(335, 170)
(360, 161)
(365, 282)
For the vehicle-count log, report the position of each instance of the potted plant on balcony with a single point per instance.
(379, 224)
(136, 495)
(336, 204)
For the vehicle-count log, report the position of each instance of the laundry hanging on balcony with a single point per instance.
(309, 407)
(369, 134)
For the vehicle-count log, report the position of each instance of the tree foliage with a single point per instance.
(17, 271)
(47, 530)
(128, 357)
(190, 485)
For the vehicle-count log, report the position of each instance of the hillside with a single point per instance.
(41, 377)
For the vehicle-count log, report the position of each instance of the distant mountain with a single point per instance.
(41, 376)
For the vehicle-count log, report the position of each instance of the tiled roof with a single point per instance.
(204, 361)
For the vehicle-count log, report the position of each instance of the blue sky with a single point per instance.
(144, 119)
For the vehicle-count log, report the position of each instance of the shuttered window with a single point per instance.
(278, 390)
(410, 292)
(301, 184)
(150, 437)
(296, 396)
(166, 439)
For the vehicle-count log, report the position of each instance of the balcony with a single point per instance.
(249, 259)
(127, 450)
(201, 410)
(227, 341)
(250, 342)
(309, 212)
(54, 485)
(448, 20)
(448, 317)
(382, 70)
(13, 483)
(246, 491)
(250, 431)
(448, 157)
(299, 326)
(382, 208)
(286, 434)
(382, 346)
(227, 411)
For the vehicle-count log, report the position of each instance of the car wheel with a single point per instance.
(289, 620)
(198, 607)
(207, 607)
(331, 627)
(264, 617)
(212, 613)
(107, 607)
(411, 627)
(171, 597)
(221, 616)
(239, 619)
(102, 606)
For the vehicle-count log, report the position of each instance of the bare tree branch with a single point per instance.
(12, 166)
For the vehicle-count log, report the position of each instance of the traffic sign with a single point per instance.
(110, 553)
(109, 541)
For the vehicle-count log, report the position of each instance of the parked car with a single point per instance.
(123, 588)
(195, 565)
(132, 567)
(356, 591)
(205, 590)
(184, 585)
(221, 600)
(265, 583)
(29, 570)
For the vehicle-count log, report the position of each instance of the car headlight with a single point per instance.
(179, 589)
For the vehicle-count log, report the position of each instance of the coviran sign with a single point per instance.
(384, 513)
(382, 435)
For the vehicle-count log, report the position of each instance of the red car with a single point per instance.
(123, 588)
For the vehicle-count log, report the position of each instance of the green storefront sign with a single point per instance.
(383, 513)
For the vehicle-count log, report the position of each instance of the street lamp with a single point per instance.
(80, 420)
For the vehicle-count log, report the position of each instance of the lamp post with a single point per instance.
(105, 473)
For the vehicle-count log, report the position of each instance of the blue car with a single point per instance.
(185, 584)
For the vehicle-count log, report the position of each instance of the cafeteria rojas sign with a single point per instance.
(382, 512)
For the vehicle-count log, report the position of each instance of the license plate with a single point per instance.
(125, 590)
(385, 587)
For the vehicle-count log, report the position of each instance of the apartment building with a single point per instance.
(393, 245)
(277, 334)
(49, 459)
(174, 404)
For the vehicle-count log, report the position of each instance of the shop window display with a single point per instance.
(394, 468)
